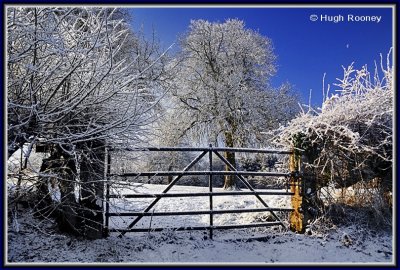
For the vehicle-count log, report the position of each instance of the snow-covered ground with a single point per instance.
(38, 243)
(191, 204)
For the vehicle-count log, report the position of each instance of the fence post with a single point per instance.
(297, 222)
(210, 188)
(108, 171)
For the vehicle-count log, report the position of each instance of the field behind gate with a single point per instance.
(192, 204)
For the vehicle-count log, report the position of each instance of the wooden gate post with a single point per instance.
(302, 184)
(297, 222)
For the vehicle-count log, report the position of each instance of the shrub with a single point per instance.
(350, 139)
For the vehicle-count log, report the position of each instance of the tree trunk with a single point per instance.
(86, 216)
(59, 170)
(92, 193)
(68, 211)
(230, 180)
(44, 204)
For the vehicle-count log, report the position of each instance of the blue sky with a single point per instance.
(306, 49)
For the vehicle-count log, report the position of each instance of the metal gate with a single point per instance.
(204, 152)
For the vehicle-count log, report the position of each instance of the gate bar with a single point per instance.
(201, 149)
(175, 173)
(195, 228)
(202, 212)
(201, 194)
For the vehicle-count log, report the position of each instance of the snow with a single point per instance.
(40, 243)
(190, 204)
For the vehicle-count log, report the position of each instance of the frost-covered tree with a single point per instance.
(77, 79)
(222, 90)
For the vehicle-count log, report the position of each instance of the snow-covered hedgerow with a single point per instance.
(349, 139)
